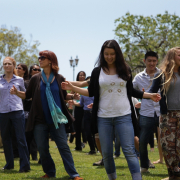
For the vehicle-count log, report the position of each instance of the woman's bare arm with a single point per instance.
(153, 96)
(79, 83)
(68, 86)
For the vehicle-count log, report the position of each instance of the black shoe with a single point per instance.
(82, 145)
(151, 165)
(23, 171)
(115, 156)
(91, 152)
(34, 159)
(39, 162)
(6, 168)
(99, 163)
(77, 149)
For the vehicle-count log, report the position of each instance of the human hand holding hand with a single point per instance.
(90, 106)
(71, 103)
(76, 96)
(138, 105)
(155, 97)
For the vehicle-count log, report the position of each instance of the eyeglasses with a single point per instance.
(34, 69)
(19, 68)
(42, 58)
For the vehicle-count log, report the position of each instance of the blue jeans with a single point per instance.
(147, 125)
(41, 134)
(123, 126)
(16, 119)
(117, 145)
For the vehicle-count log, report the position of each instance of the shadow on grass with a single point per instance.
(8, 171)
(35, 164)
(36, 178)
(117, 167)
(121, 167)
(155, 175)
(99, 167)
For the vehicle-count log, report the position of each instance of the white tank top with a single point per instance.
(113, 99)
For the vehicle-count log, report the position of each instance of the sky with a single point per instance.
(73, 28)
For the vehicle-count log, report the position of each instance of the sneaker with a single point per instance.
(144, 170)
(151, 165)
(99, 163)
(171, 178)
(91, 152)
(115, 156)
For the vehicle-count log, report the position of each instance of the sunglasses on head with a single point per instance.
(34, 69)
(42, 58)
(19, 68)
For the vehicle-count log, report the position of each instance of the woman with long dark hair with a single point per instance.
(22, 71)
(78, 115)
(49, 114)
(112, 88)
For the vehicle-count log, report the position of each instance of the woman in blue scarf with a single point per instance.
(49, 114)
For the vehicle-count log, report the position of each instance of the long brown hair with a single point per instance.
(167, 68)
(122, 69)
(25, 68)
(14, 63)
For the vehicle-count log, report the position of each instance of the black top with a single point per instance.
(156, 85)
(27, 102)
(36, 115)
(95, 91)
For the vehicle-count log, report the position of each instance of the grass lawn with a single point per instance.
(83, 164)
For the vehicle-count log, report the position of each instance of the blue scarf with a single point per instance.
(56, 113)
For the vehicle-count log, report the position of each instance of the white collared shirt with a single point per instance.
(148, 107)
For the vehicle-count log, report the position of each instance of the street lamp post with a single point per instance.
(74, 63)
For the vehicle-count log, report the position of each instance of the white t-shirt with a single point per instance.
(113, 101)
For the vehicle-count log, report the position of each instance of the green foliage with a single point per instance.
(13, 44)
(139, 34)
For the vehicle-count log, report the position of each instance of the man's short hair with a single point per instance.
(151, 53)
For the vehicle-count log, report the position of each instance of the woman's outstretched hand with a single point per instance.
(155, 97)
(66, 85)
(13, 90)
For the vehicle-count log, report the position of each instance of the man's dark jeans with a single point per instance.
(147, 125)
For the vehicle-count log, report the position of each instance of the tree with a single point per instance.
(138, 34)
(12, 43)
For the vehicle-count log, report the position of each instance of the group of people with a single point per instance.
(48, 114)
(108, 110)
